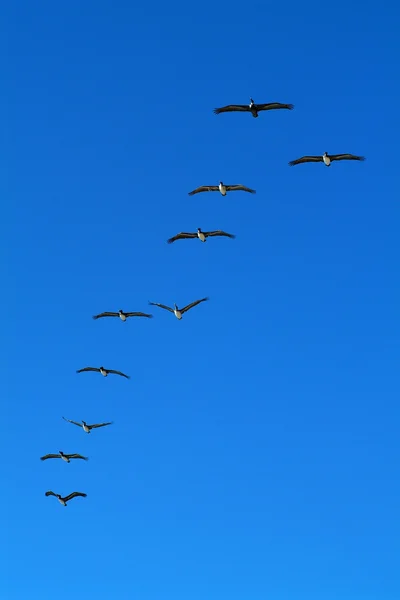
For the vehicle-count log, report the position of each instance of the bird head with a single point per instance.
(60, 452)
(84, 422)
(120, 311)
(199, 229)
(175, 306)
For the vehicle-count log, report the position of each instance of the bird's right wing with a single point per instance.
(73, 422)
(106, 314)
(204, 188)
(88, 369)
(181, 236)
(232, 108)
(305, 159)
(162, 306)
(50, 456)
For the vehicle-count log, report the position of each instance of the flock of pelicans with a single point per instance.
(254, 109)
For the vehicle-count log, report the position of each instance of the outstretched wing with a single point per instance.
(162, 306)
(106, 314)
(138, 314)
(232, 108)
(118, 373)
(239, 187)
(74, 495)
(204, 188)
(46, 456)
(76, 456)
(96, 425)
(273, 106)
(88, 369)
(305, 159)
(181, 236)
(189, 306)
(219, 232)
(50, 493)
(73, 422)
(346, 157)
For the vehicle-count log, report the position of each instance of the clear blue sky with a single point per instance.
(255, 450)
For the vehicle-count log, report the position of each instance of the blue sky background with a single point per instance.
(255, 451)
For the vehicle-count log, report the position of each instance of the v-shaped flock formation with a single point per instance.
(254, 109)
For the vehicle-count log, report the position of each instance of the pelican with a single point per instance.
(325, 158)
(201, 235)
(65, 499)
(178, 312)
(253, 108)
(122, 315)
(65, 457)
(103, 371)
(87, 428)
(222, 188)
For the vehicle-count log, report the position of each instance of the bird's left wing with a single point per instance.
(239, 187)
(346, 157)
(118, 373)
(191, 305)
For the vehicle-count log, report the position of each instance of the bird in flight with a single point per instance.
(103, 371)
(252, 108)
(122, 315)
(201, 235)
(222, 188)
(178, 312)
(326, 158)
(63, 500)
(87, 428)
(65, 457)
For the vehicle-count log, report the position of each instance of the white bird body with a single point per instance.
(326, 159)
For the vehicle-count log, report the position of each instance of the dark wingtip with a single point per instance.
(94, 317)
(170, 241)
(291, 163)
(362, 158)
(290, 106)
